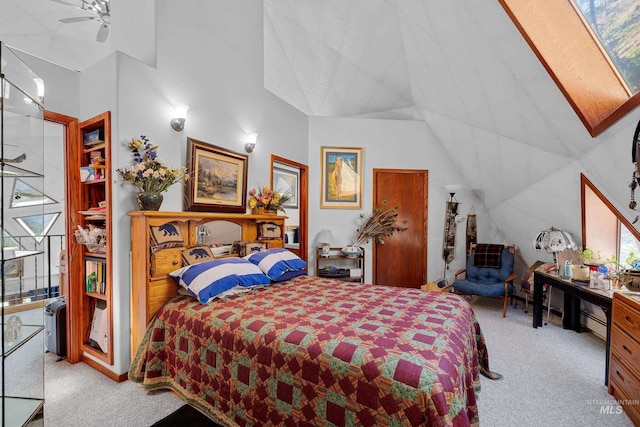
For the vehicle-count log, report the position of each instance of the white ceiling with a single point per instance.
(437, 61)
(463, 61)
(375, 58)
(34, 26)
(460, 66)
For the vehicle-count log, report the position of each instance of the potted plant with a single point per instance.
(631, 276)
(266, 201)
(616, 272)
(589, 257)
(149, 174)
(581, 271)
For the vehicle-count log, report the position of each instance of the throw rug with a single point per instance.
(186, 416)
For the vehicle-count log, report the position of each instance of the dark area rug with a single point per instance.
(186, 416)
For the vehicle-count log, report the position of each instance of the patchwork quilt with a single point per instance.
(318, 351)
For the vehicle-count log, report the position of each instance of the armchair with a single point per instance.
(488, 273)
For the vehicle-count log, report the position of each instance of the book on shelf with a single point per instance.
(96, 276)
(93, 138)
(95, 215)
(87, 174)
(96, 212)
(91, 275)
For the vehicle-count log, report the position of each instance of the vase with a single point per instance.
(149, 200)
(257, 211)
(270, 212)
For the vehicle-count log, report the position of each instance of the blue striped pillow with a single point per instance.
(279, 264)
(210, 279)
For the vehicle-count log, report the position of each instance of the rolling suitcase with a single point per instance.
(55, 326)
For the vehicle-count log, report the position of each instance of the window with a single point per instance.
(567, 46)
(616, 25)
(604, 229)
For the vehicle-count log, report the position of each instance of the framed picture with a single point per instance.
(341, 179)
(286, 180)
(217, 178)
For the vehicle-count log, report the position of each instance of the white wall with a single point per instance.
(539, 203)
(218, 73)
(396, 144)
(209, 56)
(62, 86)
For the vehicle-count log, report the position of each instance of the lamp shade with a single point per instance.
(553, 240)
(325, 237)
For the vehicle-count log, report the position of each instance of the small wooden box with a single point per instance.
(247, 248)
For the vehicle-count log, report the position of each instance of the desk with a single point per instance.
(573, 294)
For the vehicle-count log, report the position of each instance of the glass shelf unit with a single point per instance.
(22, 323)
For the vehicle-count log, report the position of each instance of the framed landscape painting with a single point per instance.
(341, 177)
(217, 178)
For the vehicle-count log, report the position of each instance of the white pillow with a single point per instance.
(279, 264)
(211, 279)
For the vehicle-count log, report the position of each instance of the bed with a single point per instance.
(318, 351)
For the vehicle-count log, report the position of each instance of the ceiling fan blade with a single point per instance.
(77, 19)
(75, 5)
(103, 32)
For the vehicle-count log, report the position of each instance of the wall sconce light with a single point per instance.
(179, 117)
(250, 142)
(40, 87)
(452, 189)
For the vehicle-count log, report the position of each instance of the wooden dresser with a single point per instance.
(624, 369)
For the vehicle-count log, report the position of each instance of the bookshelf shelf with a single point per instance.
(339, 266)
(100, 181)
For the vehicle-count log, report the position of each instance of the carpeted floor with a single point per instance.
(551, 377)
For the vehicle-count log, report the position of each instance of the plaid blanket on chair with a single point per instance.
(487, 255)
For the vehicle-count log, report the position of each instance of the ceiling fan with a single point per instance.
(99, 8)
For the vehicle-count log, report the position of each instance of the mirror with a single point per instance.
(219, 236)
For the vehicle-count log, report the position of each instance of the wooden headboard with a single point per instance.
(151, 285)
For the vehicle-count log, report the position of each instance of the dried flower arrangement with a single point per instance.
(148, 173)
(377, 225)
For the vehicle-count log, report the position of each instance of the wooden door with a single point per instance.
(74, 251)
(402, 259)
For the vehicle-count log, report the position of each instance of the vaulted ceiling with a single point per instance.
(375, 58)
(34, 26)
(462, 67)
(416, 60)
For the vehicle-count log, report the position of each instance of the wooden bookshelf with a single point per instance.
(92, 212)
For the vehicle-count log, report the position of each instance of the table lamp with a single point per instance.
(553, 241)
(325, 238)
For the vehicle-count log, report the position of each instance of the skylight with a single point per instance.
(572, 53)
(616, 25)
